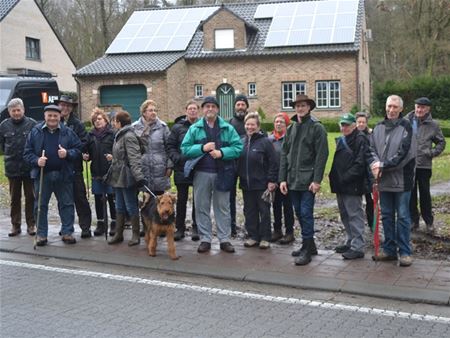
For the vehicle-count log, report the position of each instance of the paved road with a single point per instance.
(61, 300)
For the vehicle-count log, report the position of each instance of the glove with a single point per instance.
(141, 183)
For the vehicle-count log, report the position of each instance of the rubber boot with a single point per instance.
(118, 236)
(100, 229)
(305, 252)
(112, 227)
(135, 227)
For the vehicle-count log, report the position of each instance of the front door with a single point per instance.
(130, 97)
(225, 96)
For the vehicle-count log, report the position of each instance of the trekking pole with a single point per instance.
(376, 217)
(87, 178)
(105, 214)
(41, 179)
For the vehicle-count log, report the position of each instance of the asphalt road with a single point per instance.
(55, 298)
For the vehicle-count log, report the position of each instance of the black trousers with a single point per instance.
(182, 198)
(99, 207)
(282, 204)
(233, 205)
(257, 215)
(81, 203)
(369, 209)
(422, 181)
(15, 193)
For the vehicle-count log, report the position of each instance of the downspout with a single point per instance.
(80, 107)
(358, 90)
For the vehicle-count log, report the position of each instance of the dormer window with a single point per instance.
(224, 38)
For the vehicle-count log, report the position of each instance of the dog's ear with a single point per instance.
(173, 196)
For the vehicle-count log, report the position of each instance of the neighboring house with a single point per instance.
(268, 51)
(30, 46)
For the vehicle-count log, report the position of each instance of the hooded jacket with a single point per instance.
(427, 132)
(393, 145)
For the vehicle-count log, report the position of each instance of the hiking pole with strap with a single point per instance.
(105, 213)
(41, 179)
(87, 178)
(376, 217)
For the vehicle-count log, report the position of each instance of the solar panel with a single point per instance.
(159, 30)
(310, 23)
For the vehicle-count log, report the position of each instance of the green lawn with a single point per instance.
(441, 169)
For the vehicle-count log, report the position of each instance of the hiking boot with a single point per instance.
(430, 229)
(287, 239)
(227, 247)
(405, 260)
(100, 228)
(352, 254)
(383, 257)
(14, 232)
(296, 253)
(86, 233)
(276, 235)
(249, 243)
(136, 236)
(179, 235)
(69, 239)
(264, 245)
(204, 247)
(31, 230)
(305, 254)
(41, 241)
(118, 229)
(194, 236)
(342, 248)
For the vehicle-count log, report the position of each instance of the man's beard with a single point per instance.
(241, 113)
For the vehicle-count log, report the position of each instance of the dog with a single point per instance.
(159, 218)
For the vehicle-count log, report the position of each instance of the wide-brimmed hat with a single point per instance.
(304, 98)
(210, 99)
(424, 101)
(67, 99)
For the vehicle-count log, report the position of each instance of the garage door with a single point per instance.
(130, 97)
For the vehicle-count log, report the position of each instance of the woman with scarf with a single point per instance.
(282, 203)
(101, 139)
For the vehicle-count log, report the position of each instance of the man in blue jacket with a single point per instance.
(216, 144)
(62, 148)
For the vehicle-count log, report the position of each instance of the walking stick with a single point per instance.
(41, 179)
(105, 214)
(376, 217)
(87, 178)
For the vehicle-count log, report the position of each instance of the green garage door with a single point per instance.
(130, 97)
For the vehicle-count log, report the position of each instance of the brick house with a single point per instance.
(30, 46)
(268, 51)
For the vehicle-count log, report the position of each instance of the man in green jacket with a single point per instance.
(304, 154)
(215, 144)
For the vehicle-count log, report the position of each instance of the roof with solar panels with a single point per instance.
(154, 39)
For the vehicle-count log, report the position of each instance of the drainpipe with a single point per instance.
(79, 99)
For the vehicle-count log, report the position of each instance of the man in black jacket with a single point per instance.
(182, 183)
(13, 135)
(348, 182)
(66, 104)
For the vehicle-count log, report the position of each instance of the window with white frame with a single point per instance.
(198, 90)
(328, 94)
(224, 38)
(289, 90)
(251, 89)
(33, 50)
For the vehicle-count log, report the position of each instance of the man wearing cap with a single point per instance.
(427, 132)
(304, 154)
(13, 134)
(68, 118)
(348, 181)
(62, 149)
(237, 121)
(393, 151)
(216, 144)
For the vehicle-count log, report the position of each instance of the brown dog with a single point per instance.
(159, 218)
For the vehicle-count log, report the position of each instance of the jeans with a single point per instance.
(303, 202)
(126, 201)
(63, 190)
(81, 203)
(182, 198)
(257, 215)
(282, 204)
(422, 181)
(15, 193)
(396, 222)
(204, 191)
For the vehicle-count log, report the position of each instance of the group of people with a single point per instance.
(283, 170)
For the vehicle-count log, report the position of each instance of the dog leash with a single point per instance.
(149, 191)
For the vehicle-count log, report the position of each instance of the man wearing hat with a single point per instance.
(13, 134)
(304, 154)
(62, 149)
(237, 121)
(393, 152)
(216, 144)
(427, 133)
(68, 118)
(348, 181)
